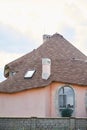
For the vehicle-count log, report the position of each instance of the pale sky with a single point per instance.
(23, 22)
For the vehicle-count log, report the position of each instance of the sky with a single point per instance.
(23, 22)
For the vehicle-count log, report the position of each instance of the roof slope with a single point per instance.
(68, 66)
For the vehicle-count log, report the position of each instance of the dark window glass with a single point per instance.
(66, 98)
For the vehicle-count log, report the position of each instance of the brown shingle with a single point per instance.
(68, 66)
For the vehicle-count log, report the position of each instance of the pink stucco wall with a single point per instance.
(24, 104)
(80, 100)
(40, 102)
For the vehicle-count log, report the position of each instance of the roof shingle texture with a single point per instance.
(68, 66)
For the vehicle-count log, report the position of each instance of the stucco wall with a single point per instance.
(40, 102)
(80, 100)
(25, 104)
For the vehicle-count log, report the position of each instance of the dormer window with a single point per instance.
(6, 71)
(29, 74)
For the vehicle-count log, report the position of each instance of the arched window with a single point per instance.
(66, 98)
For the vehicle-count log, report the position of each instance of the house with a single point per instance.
(46, 81)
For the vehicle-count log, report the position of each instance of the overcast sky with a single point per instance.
(23, 22)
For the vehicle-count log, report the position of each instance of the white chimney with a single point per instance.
(46, 68)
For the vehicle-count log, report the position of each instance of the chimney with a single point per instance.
(46, 37)
(46, 68)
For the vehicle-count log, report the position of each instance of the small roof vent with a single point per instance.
(29, 74)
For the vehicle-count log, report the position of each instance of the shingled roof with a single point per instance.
(69, 65)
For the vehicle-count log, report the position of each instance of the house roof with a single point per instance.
(69, 65)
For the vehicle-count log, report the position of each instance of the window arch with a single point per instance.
(66, 98)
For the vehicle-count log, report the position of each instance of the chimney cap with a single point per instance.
(46, 37)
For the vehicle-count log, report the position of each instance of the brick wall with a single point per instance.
(43, 123)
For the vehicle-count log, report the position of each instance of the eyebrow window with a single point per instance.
(29, 74)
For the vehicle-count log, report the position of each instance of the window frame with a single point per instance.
(61, 108)
(56, 99)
